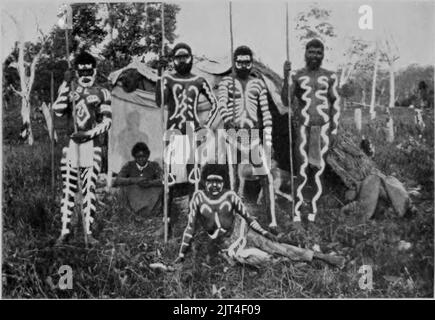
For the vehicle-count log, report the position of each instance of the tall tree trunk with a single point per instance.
(26, 81)
(375, 74)
(25, 114)
(392, 86)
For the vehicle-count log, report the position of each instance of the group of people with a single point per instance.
(242, 104)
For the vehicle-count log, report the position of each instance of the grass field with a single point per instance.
(119, 266)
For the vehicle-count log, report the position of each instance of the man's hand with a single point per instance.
(80, 137)
(287, 68)
(230, 125)
(68, 76)
(145, 183)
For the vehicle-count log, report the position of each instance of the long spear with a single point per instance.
(289, 112)
(52, 132)
(162, 105)
(229, 154)
(232, 58)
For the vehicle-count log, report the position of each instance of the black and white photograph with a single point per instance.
(217, 150)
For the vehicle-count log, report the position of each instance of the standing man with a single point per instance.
(243, 105)
(181, 95)
(315, 108)
(93, 118)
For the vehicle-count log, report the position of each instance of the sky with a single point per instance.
(261, 25)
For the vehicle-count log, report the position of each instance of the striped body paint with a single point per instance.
(216, 215)
(244, 103)
(181, 98)
(91, 103)
(302, 147)
(88, 177)
(317, 105)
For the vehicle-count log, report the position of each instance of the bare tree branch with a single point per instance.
(16, 91)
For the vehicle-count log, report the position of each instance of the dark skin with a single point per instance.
(243, 65)
(183, 58)
(214, 188)
(313, 58)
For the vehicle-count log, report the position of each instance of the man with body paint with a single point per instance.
(244, 108)
(315, 111)
(82, 156)
(181, 91)
(233, 233)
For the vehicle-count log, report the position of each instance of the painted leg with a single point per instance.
(69, 188)
(269, 191)
(230, 163)
(242, 180)
(325, 141)
(194, 170)
(302, 174)
(277, 248)
(89, 177)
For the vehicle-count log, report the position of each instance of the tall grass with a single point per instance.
(119, 266)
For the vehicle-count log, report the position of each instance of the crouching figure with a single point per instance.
(239, 236)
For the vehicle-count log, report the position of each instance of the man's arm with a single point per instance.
(156, 178)
(60, 106)
(267, 117)
(334, 100)
(105, 111)
(223, 99)
(158, 93)
(123, 178)
(253, 224)
(294, 88)
(207, 91)
(189, 232)
(285, 86)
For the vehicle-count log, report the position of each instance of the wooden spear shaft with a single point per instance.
(289, 114)
(52, 133)
(162, 106)
(229, 151)
(232, 60)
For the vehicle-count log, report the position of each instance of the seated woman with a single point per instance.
(141, 182)
(239, 237)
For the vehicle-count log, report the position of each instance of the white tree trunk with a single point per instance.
(25, 114)
(373, 99)
(26, 81)
(390, 130)
(392, 86)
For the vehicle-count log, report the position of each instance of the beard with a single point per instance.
(86, 81)
(183, 68)
(313, 64)
(243, 73)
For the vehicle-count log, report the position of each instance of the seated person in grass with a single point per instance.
(239, 236)
(141, 182)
